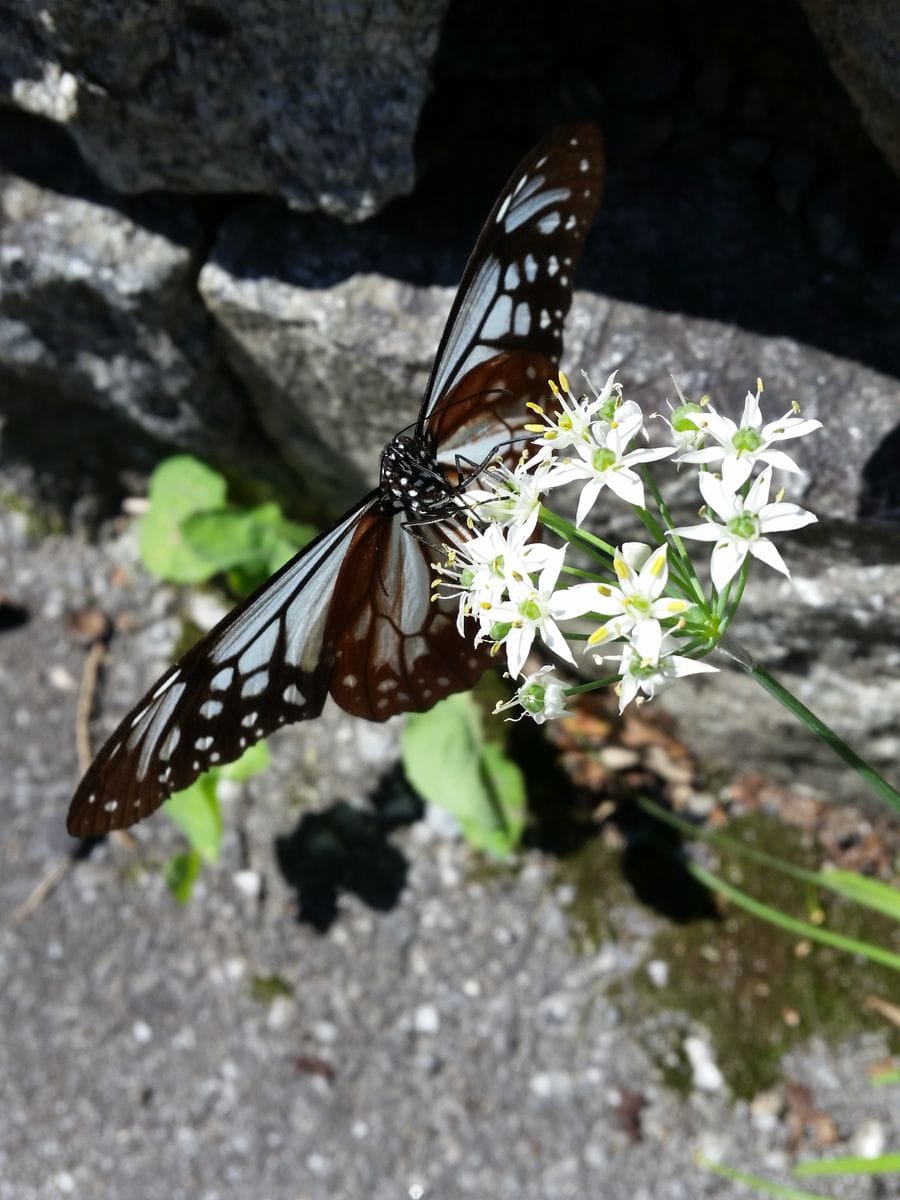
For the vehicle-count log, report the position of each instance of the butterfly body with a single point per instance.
(412, 480)
(352, 614)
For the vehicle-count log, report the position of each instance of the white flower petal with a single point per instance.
(727, 559)
(765, 551)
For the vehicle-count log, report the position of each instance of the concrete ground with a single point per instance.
(446, 1036)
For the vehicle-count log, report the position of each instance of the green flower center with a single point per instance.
(565, 422)
(746, 440)
(500, 630)
(466, 577)
(744, 525)
(607, 409)
(530, 609)
(602, 460)
(532, 698)
(681, 417)
(639, 605)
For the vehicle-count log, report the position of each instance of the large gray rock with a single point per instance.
(101, 329)
(315, 103)
(862, 41)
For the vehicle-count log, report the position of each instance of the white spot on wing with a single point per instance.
(259, 651)
(512, 278)
(498, 319)
(550, 222)
(165, 706)
(522, 320)
(529, 206)
(255, 684)
(167, 748)
(531, 268)
(293, 695)
(222, 681)
(211, 709)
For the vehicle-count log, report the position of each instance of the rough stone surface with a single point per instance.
(862, 41)
(101, 328)
(456, 1043)
(334, 354)
(315, 103)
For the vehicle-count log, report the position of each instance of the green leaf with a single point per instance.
(507, 787)
(181, 872)
(179, 487)
(250, 544)
(449, 764)
(253, 761)
(195, 811)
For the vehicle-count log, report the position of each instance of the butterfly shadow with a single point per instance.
(348, 849)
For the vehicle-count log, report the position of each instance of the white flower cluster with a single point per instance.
(516, 589)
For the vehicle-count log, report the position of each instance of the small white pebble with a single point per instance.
(64, 1182)
(325, 1031)
(281, 1012)
(547, 1085)
(471, 988)
(249, 883)
(869, 1140)
(427, 1019)
(707, 1076)
(141, 1032)
(658, 972)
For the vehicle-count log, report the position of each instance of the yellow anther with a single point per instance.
(658, 565)
(620, 566)
(602, 634)
(564, 380)
(534, 428)
(553, 388)
(534, 408)
(759, 385)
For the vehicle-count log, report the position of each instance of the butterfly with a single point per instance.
(352, 613)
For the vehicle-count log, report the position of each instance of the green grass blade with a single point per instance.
(869, 893)
(767, 1186)
(801, 928)
(850, 1164)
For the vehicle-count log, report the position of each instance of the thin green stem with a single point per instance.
(868, 774)
(571, 533)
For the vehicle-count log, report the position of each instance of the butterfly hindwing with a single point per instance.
(397, 646)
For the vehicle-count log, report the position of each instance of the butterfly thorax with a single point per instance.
(412, 480)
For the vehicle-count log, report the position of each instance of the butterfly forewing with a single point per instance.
(266, 664)
(353, 612)
(517, 285)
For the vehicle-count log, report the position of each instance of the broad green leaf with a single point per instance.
(179, 487)
(449, 764)
(507, 788)
(253, 761)
(250, 544)
(196, 813)
(181, 873)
